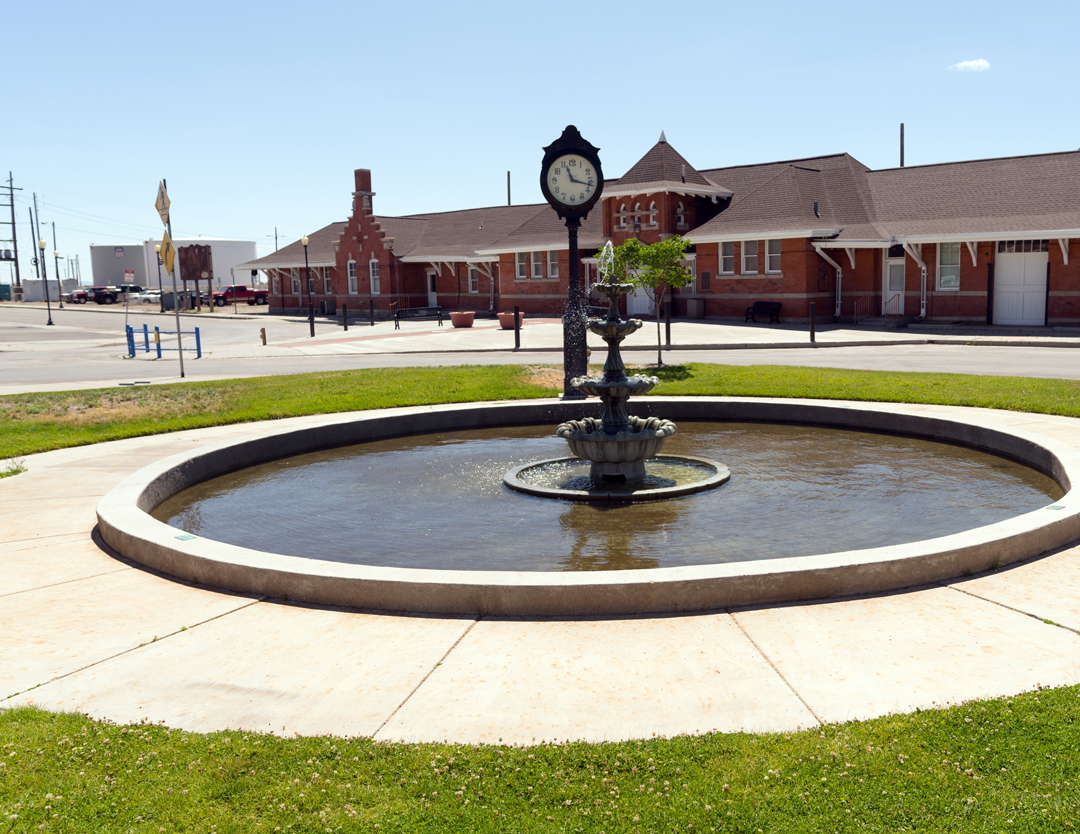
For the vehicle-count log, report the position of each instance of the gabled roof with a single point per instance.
(321, 251)
(663, 169)
(779, 197)
(1039, 193)
(453, 235)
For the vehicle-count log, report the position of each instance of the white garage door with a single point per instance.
(1020, 288)
(638, 303)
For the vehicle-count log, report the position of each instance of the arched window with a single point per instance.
(680, 215)
(652, 213)
(622, 216)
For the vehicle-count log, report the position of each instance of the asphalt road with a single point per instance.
(87, 348)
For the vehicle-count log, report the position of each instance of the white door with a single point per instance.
(638, 303)
(893, 285)
(1020, 288)
(432, 292)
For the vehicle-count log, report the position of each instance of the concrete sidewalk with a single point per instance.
(546, 335)
(81, 629)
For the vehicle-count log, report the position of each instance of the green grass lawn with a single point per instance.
(1008, 765)
(32, 423)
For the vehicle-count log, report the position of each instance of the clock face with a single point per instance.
(571, 179)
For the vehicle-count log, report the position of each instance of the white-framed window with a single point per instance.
(474, 279)
(948, 266)
(637, 214)
(1011, 246)
(522, 259)
(772, 256)
(274, 285)
(622, 216)
(749, 257)
(294, 273)
(652, 214)
(538, 266)
(553, 266)
(680, 216)
(727, 258)
(373, 274)
(352, 277)
(328, 284)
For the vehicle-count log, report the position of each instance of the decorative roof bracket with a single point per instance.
(850, 255)
(973, 250)
(1063, 242)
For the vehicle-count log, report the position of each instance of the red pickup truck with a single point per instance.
(235, 293)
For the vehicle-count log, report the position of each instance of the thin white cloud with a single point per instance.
(978, 65)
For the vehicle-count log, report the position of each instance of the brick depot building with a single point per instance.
(993, 241)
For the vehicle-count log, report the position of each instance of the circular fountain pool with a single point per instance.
(437, 501)
(678, 561)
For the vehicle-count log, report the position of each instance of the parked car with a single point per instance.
(103, 295)
(235, 293)
(147, 297)
(131, 290)
(79, 296)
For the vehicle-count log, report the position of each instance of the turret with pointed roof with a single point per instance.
(664, 169)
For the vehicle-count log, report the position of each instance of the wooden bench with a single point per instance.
(417, 313)
(764, 308)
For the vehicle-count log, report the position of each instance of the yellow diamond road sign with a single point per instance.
(162, 203)
(168, 253)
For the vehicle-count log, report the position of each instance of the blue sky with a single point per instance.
(258, 114)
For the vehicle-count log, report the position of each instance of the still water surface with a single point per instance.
(438, 501)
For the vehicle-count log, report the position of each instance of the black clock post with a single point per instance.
(572, 182)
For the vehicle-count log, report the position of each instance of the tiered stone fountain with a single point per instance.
(624, 451)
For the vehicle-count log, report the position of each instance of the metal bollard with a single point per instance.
(371, 310)
(345, 315)
(157, 341)
(129, 331)
(198, 345)
(262, 332)
(813, 322)
(667, 320)
(146, 337)
(517, 328)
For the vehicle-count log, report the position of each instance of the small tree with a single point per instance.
(654, 268)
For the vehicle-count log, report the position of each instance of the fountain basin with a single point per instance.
(125, 524)
(706, 474)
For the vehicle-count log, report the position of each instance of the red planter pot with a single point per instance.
(463, 318)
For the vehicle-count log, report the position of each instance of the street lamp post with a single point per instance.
(59, 283)
(44, 278)
(161, 299)
(307, 278)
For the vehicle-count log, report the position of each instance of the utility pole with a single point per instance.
(37, 266)
(56, 263)
(17, 291)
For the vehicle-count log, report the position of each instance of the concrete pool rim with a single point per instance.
(127, 527)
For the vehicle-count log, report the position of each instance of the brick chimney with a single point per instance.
(363, 190)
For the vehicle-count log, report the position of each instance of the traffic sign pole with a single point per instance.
(162, 205)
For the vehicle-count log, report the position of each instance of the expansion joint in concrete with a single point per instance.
(135, 648)
(430, 672)
(775, 669)
(65, 582)
(1012, 608)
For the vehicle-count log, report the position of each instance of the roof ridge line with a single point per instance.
(973, 161)
(425, 215)
(778, 162)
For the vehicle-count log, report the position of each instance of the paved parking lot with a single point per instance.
(86, 347)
